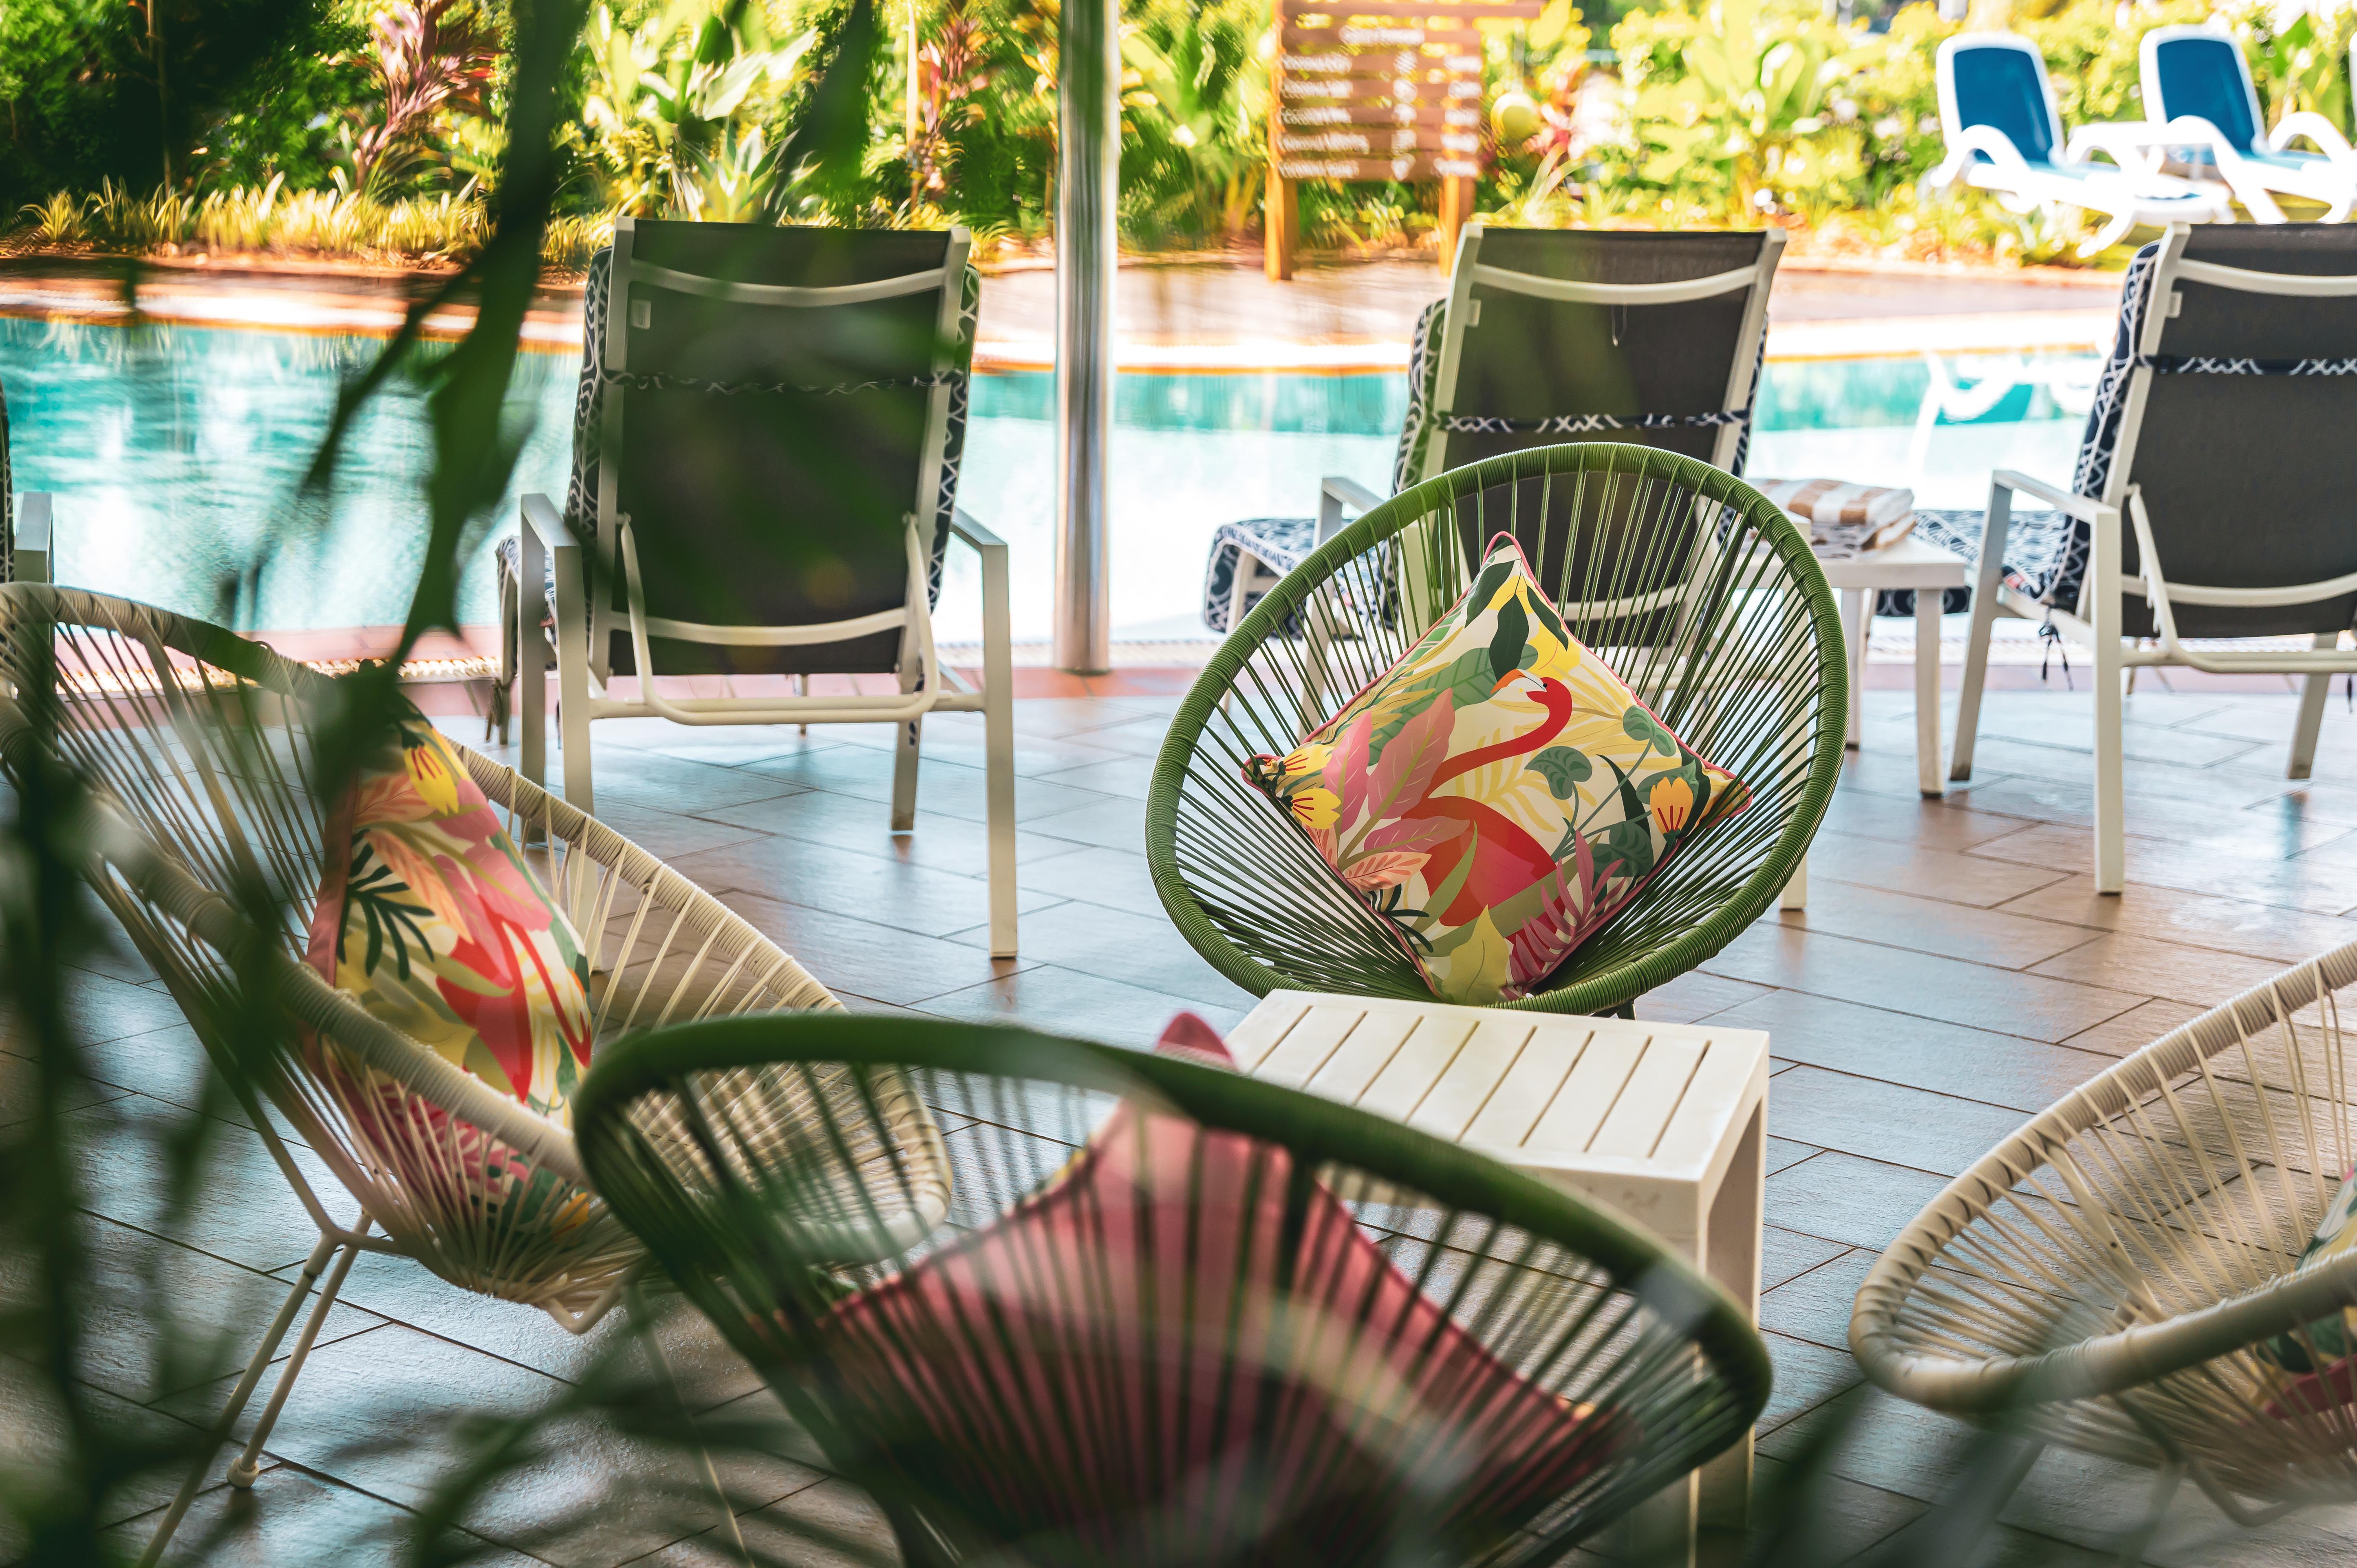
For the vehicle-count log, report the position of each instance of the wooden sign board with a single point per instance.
(1377, 89)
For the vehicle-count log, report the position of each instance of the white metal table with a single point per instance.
(1914, 563)
(1665, 1124)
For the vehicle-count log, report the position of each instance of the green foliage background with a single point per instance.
(1722, 110)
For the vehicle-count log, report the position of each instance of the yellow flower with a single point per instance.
(1316, 808)
(1305, 761)
(431, 770)
(1673, 803)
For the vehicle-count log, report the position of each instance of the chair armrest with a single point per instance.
(547, 524)
(1334, 493)
(1984, 139)
(2135, 144)
(2314, 127)
(964, 527)
(35, 522)
(2117, 137)
(2087, 509)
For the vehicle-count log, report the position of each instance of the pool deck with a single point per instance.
(1172, 319)
(1952, 976)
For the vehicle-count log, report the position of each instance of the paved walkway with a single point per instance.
(1952, 976)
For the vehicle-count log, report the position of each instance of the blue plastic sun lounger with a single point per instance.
(2004, 134)
(2197, 84)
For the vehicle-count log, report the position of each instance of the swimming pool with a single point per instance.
(176, 455)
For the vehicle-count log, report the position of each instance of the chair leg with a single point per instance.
(998, 748)
(1987, 572)
(729, 1529)
(226, 1423)
(247, 1466)
(1796, 888)
(1857, 624)
(530, 666)
(2312, 695)
(904, 756)
(1927, 694)
(2111, 827)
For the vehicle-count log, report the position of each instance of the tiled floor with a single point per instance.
(1953, 976)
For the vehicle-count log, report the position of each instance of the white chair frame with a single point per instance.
(2331, 179)
(2094, 622)
(585, 630)
(2137, 193)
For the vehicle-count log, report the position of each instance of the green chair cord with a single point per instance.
(769, 1224)
(1696, 590)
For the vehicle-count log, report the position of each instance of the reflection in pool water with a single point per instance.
(178, 453)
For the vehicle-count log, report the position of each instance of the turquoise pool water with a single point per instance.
(176, 455)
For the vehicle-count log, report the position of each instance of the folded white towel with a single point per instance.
(1843, 519)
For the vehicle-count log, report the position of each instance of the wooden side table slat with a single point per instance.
(1665, 1124)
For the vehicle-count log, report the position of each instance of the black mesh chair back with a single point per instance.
(776, 418)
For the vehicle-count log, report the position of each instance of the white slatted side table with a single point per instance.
(1665, 1123)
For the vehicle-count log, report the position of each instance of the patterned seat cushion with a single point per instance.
(1498, 794)
(428, 915)
(2035, 547)
(1096, 1363)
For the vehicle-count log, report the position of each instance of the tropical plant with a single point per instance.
(1744, 89)
(1195, 101)
(677, 108)
(432, 57)
(58, 220)
(2302, 62)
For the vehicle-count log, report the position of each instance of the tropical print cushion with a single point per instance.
(2316, 1360)
(430, 917)
(1498, 794)
(1098, 1363)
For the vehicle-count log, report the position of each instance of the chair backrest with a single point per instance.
(2198, 70)
(200, 750)
(2131, 1272)
(1697, 591)
(1998, 79)
(768, 407)
(1241, 1324)
(2226, 405)
(1589, 334)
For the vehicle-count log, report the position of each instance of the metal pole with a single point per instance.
(1088, 173)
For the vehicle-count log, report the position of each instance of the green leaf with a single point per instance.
(1630, 806)
(1639, 724)
(1565, 768)
(1553, 23)
(1467, 680)
(1506, 645)
(1625, 849)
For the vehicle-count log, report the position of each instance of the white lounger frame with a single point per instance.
(585, 630)
(2094, 622)
(2137, 193)
(2331, 179)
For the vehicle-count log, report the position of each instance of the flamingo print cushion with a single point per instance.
(431, 919)
(1498, 794)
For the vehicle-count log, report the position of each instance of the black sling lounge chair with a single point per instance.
(764, 487)
(1546, 337)
(2212, 495)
